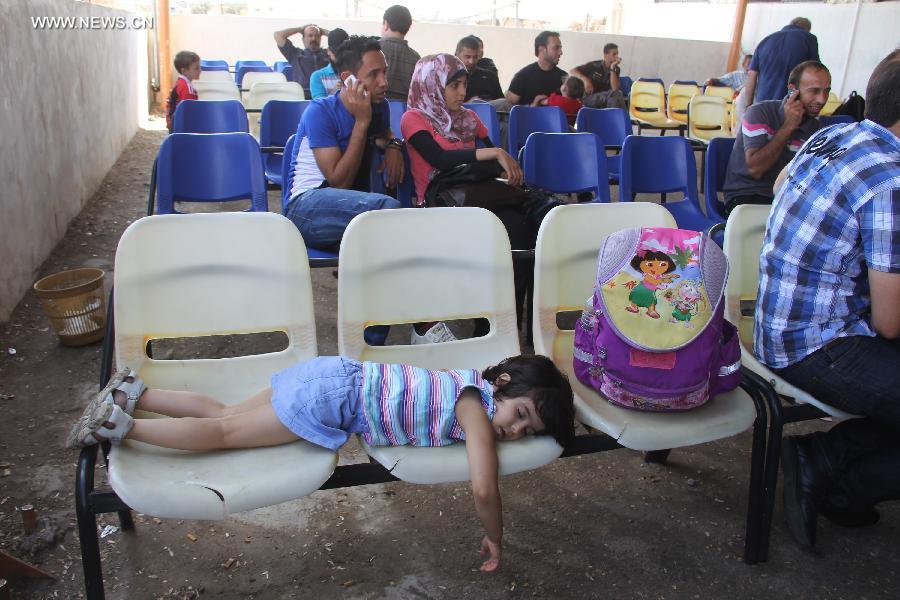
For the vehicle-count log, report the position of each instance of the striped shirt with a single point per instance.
(837, 214)
(411, 406)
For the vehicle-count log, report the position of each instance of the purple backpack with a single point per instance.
(653, 336)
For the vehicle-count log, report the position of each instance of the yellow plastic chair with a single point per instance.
(262, 92)
(565, 271)
(745, 231)
(707, 118)
(831, 105)
(253, 77)
(647, 106)
(216, 76)
(192, 275)
(216, 90)
(680, 94)
(726, 93)
(412, 265)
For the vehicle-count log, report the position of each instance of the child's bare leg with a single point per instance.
(251, 429)
(173, 403)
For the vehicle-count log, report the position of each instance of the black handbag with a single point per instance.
(474, 184)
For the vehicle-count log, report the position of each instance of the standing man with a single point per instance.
(333, 149)
(828, 311)
(483, 84)
(401, 59)
(601, 80)
(311, 58)
(534, 83)
(776, 55)
(772, 132)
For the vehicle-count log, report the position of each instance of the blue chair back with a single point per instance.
(663, 165)
(611, 124)
(213, 65)
(397, 108)
(835, 119)
(717, 155)
(288, 73)
(488, 115)
(244, 69)
(525, 120)
(209, 116)
(194, 167)
(277, 123)
(279, 65)
(625, 84)
(250, 63)
(566, 163)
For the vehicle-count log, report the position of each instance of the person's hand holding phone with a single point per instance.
(793, 108)
(356, 99)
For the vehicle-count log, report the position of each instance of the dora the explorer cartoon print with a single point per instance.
(657, 268)
(686, 299)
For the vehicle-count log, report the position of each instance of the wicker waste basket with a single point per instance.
(74, 302)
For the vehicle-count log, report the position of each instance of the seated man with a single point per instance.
(333, 149)
(735, 79)
(772, 132)
(534, 83)
(828, 312)
(325, 81)
(601, 80)
(305, 61)
(483, 84)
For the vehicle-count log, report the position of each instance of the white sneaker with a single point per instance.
(438, 333)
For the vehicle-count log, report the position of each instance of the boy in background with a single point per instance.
(569, 98)
(187, 64)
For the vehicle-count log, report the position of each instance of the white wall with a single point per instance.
(234, 37)
(71, 101)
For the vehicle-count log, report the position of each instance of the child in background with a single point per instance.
(325, 399)
(187, 64)
(569, 98)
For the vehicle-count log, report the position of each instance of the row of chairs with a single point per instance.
(240, 260)
(219, 71)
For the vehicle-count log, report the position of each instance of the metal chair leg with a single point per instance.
(87, 525)
(657, 457)
(756, 500)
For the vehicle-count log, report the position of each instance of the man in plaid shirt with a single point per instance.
(828, 310)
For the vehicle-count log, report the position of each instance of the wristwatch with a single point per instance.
(395, 143)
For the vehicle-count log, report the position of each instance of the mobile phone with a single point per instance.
(350, 82)
(793, 92)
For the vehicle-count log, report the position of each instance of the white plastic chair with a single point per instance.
(213, 274)
(216, 90)
(262, 92)
(213, 76)
(412, 265)
(565, 271)
(254, 77)
(744, 234)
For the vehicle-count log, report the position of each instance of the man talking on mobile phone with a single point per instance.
(771, 132)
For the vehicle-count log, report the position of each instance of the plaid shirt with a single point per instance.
(401, 62)
(836, 214)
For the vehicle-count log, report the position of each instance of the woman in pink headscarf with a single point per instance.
(440, 132)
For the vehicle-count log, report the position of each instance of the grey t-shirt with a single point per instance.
(761, 121)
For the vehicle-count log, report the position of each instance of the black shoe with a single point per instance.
(803, 487)
(848, 518)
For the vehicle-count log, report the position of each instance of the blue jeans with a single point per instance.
(322, 214)
(859, 375)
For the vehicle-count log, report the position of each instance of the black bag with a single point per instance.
(855, 106)
(474, 184)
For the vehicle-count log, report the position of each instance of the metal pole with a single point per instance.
(163, 51)
(734, 52)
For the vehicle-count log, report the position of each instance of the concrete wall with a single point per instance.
(71, 101)
(234, 37)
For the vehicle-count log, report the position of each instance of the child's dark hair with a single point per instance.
(348, 56)
(185, 59)
(652, 255)
(575, 87)
(536, 377)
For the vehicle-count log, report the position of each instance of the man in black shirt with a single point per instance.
(483, 84)
(601, 80)
(311, 58)
(532, 84)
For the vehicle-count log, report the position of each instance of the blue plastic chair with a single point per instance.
(288, 73)
(525, 120)
(279, 65)
(213, 65)
(244, 69)
(397, 108)
(317, 258)
(625, 84)
(194, 167)
(488, 115)
(613, 126)
(663, 165)
(717, 155)
(277, 123)
(251, 63)
(835, 119)
(210, 116)
(566, 163)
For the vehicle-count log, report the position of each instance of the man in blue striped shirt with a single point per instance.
(828, 310)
